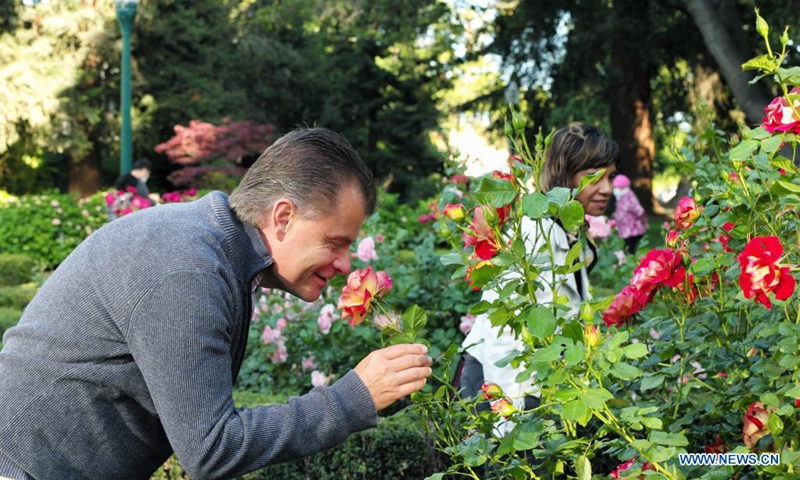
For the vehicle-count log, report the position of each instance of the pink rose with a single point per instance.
(599, 227)
(308, 363)
(280, 355)
(325, 319)
(366, 250)
(391, 321)
(467, 321)
(319, 379)
(270, 335)
(628, 302)
(686, 213)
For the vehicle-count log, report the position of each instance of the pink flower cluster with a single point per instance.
(599, 227)
(366, 250)
(179, 196)
(125, 202)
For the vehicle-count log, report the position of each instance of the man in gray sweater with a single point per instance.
(130, 350)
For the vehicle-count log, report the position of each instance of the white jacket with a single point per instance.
(500, 343)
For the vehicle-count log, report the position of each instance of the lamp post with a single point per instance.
(126, 12)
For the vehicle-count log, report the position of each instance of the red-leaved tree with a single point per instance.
(221, 148)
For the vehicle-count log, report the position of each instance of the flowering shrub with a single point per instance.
(49, 226)
(697, 352)
(123, 202)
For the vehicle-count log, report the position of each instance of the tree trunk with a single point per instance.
(724, 38)
(84, 175)
(630, 117)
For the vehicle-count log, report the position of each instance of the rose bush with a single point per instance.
(696, 353)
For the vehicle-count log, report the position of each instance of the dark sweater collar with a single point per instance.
(243, 242)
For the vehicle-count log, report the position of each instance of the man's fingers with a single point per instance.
(411, 361)
(412, 375)
(396, 351)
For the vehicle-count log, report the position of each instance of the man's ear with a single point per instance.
(283, 212)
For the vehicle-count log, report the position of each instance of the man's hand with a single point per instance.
(394, 372)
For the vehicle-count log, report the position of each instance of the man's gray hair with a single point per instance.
(309, 166)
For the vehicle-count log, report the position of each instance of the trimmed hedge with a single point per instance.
(397, 448)
(17, 296)
(16, 269)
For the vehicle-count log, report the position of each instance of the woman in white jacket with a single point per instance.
(576, 151)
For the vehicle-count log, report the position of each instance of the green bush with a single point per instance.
(16, 269)
(8, 318)
(398, 448)
(48, 227)
(17, 296)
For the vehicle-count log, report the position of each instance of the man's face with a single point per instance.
(595, 197)
(307, 252)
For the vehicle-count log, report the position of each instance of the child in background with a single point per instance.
(629, 214)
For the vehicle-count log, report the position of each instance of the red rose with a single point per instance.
(686, 213)
(672, 238)
(660, 266)
(483, 237)
(627, 302)
(725, 238)
(761, 273)
(756, 423)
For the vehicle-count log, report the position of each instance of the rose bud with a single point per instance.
(503, 407)
(491, 391)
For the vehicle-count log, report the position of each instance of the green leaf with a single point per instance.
(618, 339)
(623, 371)
(528, 434)
(572, 216)
(548, 353)
(574, 354)
(558, 196)
(635, 350)
(770, 399)
(793, 392)
(535, 205)
(668, 439)
(596, 398)
(541, 322)
(775, 424)
(590, 179)
(782, 187)
(573, 254)
(414, 319)
(497, 193)
(650, 382)
(659, 454)
(771, 144)
(743, 151)
(764, 63)
(574, 410)
(451, 258)
(652, 423)
(703, 266)
(583, 468)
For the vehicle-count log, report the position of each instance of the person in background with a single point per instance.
(130, 350)
(629, 214)
(576, 151)
(137, 180)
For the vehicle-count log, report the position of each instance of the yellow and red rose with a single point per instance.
(362, 287)
(756, 423)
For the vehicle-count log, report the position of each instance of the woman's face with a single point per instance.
(595, 196)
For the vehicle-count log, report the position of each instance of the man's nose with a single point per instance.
(342, 263)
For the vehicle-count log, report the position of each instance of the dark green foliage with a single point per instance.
(17, 296)
(398, 448)
(8, 318)
(16, 269)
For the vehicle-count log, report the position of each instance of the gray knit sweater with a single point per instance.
(130, 350)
